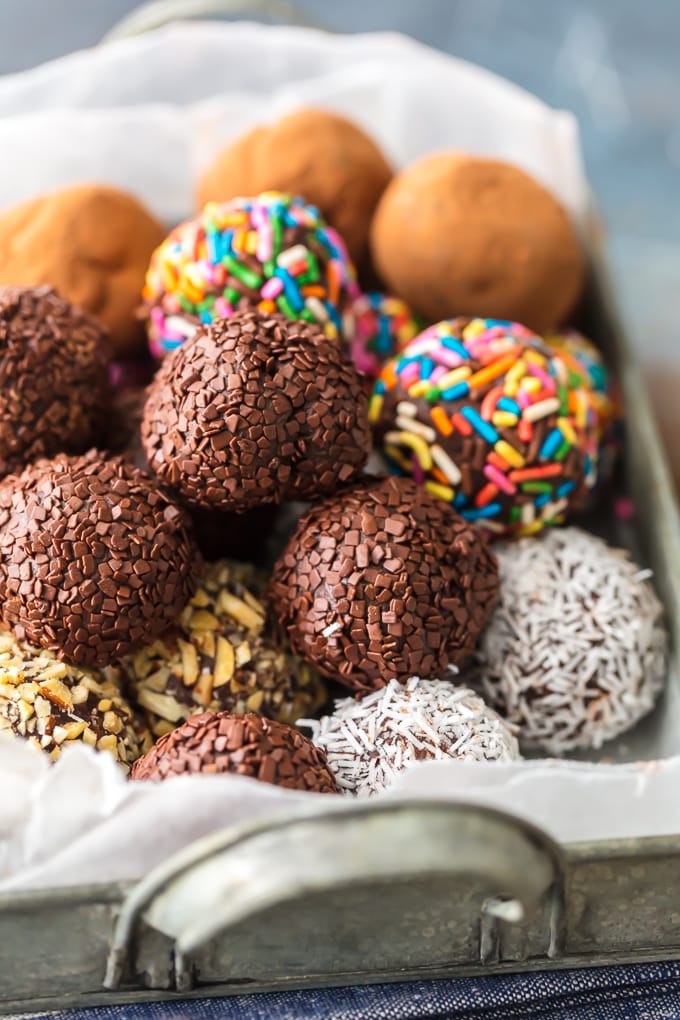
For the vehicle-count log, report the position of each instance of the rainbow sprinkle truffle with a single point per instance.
(273, 252)
(384, 325)
(487, 416)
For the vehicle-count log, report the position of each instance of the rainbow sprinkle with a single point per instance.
(274, 252)
(384, 326)
(491, 419)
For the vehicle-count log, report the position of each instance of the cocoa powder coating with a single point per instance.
(53, 376)
(246, 745)
(94, 559)
(317, 154)
(384, 581)
(461, 235)
(255, 409)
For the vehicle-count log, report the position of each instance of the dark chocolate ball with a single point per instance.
(256, 409)
(53, 376)
(384, 581)
(246, 745)
(94, 559)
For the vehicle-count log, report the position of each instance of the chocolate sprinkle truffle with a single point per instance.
(94, 559)
(245, 745)
(575, 653)
(369, 742)
(53, 376)
(255, 409)
(489, 418)
(221, 655)
(52, 704)
(384, 581)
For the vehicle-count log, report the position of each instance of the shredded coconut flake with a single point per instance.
(575, 653)
(369, 742)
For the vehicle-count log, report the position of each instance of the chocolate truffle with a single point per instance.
(272, 252)
(222, 654)
(53, 376)
(122, 429)
(255, 409)
(94, 558)
(456, 234)
(368, 742)
(92, 243)
(52, 704)
(601, 404)
(384, 326)
(318, 154)
(384, 581)
(575, 653)
(245, 745)
(491, 420)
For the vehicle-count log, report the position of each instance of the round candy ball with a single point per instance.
(53, 375)
(315, 153)
(93, 243)
(256, 409)
(488, 418)
(94, 558)
(384, 325)
(52, 704)
(575, 653)
(368, 742)
(245, 745)
(381, 582)
(222, 655)
(273, 252)
(456, 234)
(602, 406)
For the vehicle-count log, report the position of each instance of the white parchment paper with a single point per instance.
(147, 114)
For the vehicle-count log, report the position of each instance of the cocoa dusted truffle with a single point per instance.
(51, 704)
(94, 559)
(384, 581)
(256, 409)
(53, 376)
(246, 745)
(456, 234)
(318, 154)
(93, 243)
(223, 654)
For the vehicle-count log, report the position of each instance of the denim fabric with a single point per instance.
(649, 991)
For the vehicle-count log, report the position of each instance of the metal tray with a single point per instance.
(378, 891)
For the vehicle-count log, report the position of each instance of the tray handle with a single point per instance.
(223, 879)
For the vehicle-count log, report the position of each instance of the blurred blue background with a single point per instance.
(614, 63)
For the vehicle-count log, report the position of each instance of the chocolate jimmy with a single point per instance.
(53, 374)
(52, 704)
(94, 558)
(223, 654)
(245, 745)
(255, 409)
(384, 581)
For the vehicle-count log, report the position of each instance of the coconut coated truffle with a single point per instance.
(93, 243)
(53, 376)
(94, 558)
(222, 655)
(368, 742)
(273, 252)
(245, 745)
(384, 581)
(490, 419)
(318, 154)
(456, 234)
(255, 409)
(52, 704)
(575, 653)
